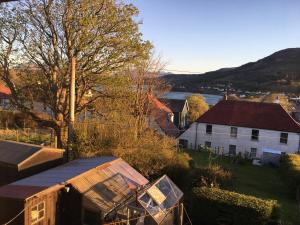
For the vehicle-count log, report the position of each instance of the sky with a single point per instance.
(204, 35)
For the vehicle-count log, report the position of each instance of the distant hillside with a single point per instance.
(277, 72)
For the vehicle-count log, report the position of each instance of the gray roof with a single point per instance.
(64, 172)
(15, 152)
(176, 105)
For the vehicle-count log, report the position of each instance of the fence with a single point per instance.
(28, 135)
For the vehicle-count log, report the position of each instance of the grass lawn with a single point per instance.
(260, 181)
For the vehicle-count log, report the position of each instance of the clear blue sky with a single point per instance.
(204, 35)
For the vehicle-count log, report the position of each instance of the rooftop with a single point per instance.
(176, 105)
(269, 116)
(15, 153)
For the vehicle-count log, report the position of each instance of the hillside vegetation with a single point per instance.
(277, 72)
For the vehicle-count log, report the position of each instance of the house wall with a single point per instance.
(220, 138)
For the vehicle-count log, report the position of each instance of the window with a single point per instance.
(37, 213)
(233, 132)
(183, 143)
(284, 138)
(253, 153)
(207, 144)
(208, 129)
(255, 135)
(232, 149)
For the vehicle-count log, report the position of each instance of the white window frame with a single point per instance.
(281, 138)
(251, 152)
(43, 209)
(233, 135)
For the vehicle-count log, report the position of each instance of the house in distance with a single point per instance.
(245, 127)
(19, 160)
(180, 108)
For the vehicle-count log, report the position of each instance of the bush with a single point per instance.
(212, 176)
(215, 206)
(290, 169)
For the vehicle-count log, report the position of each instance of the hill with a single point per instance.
(277, 72)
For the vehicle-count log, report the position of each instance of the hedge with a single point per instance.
(290, 169)
(216, 206)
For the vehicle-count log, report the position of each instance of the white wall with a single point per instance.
(220, 137)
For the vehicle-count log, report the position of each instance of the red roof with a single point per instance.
(269, 116)
(161, 113)
(4, 91)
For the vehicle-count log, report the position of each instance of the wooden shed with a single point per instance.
(20, 160)
(88, 192)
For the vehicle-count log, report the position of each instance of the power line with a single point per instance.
(11, 220)
(182, 71)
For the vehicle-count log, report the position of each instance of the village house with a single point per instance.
(4, 97)
(161, 118)
(91, 191)
(19, 160)
(249, 128)
(180, 108)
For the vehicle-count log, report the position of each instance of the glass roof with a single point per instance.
(160, 198)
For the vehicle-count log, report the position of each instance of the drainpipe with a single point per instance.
(197, 124)
(299, 144)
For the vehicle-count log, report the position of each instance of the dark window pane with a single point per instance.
(232, 149)
(255, 135)
(284, 138)
(208, 144)
(208, 129)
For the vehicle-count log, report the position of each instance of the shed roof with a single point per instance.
(104, 181)
(63, 173)
(269, 116)
(14, 153)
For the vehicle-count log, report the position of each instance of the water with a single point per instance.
(210, 99)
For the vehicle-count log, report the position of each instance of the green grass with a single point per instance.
(260, 181)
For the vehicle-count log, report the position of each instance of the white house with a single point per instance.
(242, 126)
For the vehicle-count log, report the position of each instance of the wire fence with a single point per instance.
(29, 135)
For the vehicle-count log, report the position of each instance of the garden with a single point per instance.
(244, 187)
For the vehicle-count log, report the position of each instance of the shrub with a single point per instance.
(212, 176)
(290, 169)
(215, 206)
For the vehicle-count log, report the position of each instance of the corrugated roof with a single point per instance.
(18, 191)
(269, 116)
(64, 172)
(15, 152)
(104, 188)
(104, 181)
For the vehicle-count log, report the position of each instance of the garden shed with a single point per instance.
(90, 191)
(20, 160)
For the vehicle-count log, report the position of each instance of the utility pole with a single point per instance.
(71, 109)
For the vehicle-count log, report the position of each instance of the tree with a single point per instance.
(197, 106)
(278, 98)
(47, 35)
